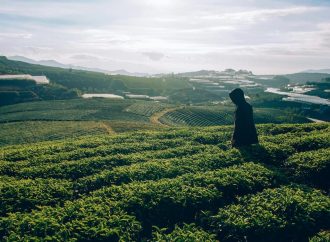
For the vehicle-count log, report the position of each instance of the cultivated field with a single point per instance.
(179, 184)
(218, 115)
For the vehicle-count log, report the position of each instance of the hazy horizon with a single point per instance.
(266, 37)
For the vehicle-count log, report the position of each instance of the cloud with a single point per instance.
(250, 17)
(123, 34)
(16, 35)
(155, 56)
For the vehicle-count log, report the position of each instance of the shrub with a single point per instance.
(90, 219)
(189, 233)
(289, 212)
(311, 167)
(23, 195)
(323, 236)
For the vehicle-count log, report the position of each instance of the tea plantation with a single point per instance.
(177, 184)
(221, 115)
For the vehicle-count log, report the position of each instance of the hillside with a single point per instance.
(187, 182)
(133, 110)
(51, 120)
(89, 81)
(223, 115)
(307, 77)
(327, 71)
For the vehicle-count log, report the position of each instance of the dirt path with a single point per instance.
(107, 127)
(154, 119)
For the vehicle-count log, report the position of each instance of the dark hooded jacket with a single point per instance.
(245, 132)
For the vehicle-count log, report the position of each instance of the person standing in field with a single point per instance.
(245, 132)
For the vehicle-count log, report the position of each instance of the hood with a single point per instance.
(237, 96)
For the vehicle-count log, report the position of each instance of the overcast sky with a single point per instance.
(265, 36)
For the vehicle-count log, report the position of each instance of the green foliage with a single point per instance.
(80, 162)
(91, 219)
(310, 142)
(146, 108)
(35, 131)
(96, 82)
(189, 95)
(20, 90)
(323, 236)
(196, 117)
(167, 201)
(296, 129)
(220, 115)
(12, 97)
(187, 181)
(276, 81)
(188, 233)
(22, 195)
(166, 168)
(307, 77)
(16, 84)
(289, 212)
(320, 88)
(70, 110)
(311, 167)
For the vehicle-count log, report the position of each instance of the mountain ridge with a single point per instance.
(54, 63)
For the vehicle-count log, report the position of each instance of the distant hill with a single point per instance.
(96, 82)
(215, 73)
(326, 71)
(127, 73)
(54, 63)
(302, 78)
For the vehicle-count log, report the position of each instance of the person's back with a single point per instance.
(245, 132)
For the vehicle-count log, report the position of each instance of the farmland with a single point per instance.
(222, 115)
(137, 111)
(25, 132)
(176, 184)
(52, 120)
(74, 169)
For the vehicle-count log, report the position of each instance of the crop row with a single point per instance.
(105, 171)
(275, 129)
(95, 219)
(88, 166)
(157, 169)
(27, 152)
(146, 108)
(166, 201)
(310, 167)
(276, 153)
(292, 213)
(101, 150)
(25, 194)
(18, 153)
(196, 117)
(158, 203)
(188, 232)
(322, 236)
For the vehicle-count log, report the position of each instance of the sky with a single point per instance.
(161, 36)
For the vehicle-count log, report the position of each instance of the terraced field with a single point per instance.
(146, 108)
(80, 109)
(179, 184)
(53, 120)
(28, 132)
(210, 116)
(34, 131)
